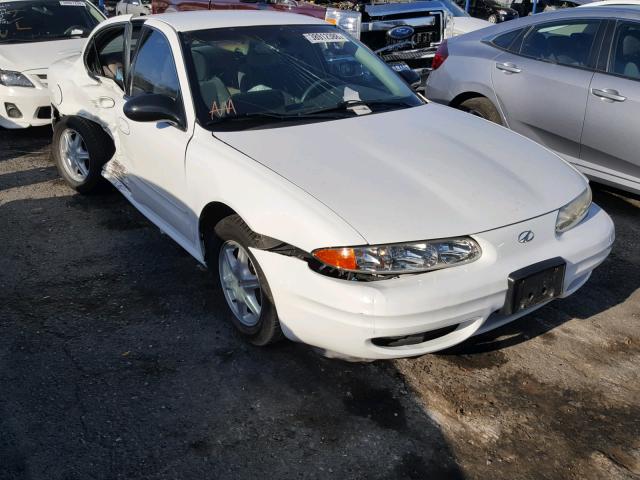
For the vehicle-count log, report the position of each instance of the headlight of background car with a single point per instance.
(402, 257)
(14, 79)
(347, 20)
(574, 212)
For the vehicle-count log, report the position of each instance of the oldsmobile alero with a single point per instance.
(331, 204)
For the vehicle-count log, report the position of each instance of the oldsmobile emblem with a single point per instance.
(526, 236)
(401, 32)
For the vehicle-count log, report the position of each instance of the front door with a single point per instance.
(543, 86)
(154, 152)
(610, 141)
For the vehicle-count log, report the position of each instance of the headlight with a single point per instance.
(573, 212)
(402, 257)
(14, 79)
(502, 12)
(349, 21)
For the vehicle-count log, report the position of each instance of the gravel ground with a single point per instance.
(115, 364)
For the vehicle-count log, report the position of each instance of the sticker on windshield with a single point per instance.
(329, 37)
(71, 3)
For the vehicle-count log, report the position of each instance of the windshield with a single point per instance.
(271, 75)
(36, 21)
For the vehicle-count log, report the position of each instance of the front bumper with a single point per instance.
(33, 103)
(344, 317)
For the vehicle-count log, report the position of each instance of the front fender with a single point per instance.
(267, 202)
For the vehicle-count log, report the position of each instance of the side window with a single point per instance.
(565, 43)
(626, 51)
(154, 70)
(506, 40)
(105, 56)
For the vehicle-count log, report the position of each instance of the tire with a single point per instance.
(81, 168)
(493, 18)
(228, 237)
(483, 108)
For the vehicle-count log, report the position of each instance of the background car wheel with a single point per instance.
(483, 108)
(493, 18)
(239, 278)
(80, 149)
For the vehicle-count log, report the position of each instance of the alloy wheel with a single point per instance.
(74, 155)
(240, 283)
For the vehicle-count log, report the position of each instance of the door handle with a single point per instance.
(105, 102)
(508, 67)
(608, 94)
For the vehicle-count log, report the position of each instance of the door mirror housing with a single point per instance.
(153, 107)
(410, 76)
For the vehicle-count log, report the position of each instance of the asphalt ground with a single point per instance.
(117, 363)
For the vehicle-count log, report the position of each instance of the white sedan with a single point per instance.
(34, 34)
(331, 204)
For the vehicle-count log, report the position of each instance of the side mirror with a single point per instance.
(153, 107)
(410, 76)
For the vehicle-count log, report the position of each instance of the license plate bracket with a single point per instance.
(535, 284)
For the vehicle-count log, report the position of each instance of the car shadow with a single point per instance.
(20, 142)
(611, 284)
(116, 362)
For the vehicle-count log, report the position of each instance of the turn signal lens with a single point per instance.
(344, 258)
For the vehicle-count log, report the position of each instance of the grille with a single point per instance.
(422, 38)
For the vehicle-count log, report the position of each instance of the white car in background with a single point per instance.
(34, 34)
(133, 7)
(460, 21)
(330, 203)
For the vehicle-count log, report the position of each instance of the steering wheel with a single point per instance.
(72, 28)
(316, 85)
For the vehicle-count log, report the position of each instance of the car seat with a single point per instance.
(628, 63)
(212, 88)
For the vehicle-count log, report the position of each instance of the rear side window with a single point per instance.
(105, 55)
(154, 70)
(564, 43)
(626, 53)
(506, 40)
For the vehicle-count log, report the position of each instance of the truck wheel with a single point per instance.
(80, 149)
(483, 108)
(238, 276)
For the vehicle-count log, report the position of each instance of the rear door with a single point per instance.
(542, 84)
(610, 142)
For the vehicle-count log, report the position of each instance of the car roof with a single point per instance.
(206, 19)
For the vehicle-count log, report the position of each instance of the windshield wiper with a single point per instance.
(269, 116)
(348, 105)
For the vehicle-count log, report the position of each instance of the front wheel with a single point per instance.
(238, 276)
(493, 18)
(483, 108)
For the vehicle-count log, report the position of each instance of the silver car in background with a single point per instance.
(568, 79)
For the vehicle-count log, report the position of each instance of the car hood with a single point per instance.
(22, 57)
(418, 173)
(463, 25)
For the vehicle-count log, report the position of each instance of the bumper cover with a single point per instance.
(33, 103)
(344, 317)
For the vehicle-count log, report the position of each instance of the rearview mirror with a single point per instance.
(410, 76)
(153, 107)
